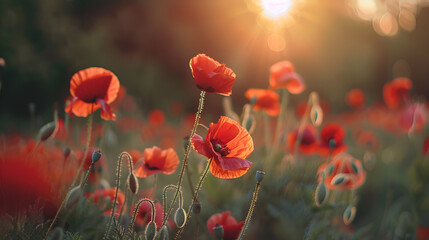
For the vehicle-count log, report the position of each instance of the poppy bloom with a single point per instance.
(413, 118)
(395, 93)
(308, 144)
(355, 99)
(426, 145)
(211, 76)
(156, 117)
(367, 139)
(91, 89)
(231, 227)
(283, 75)
(156, 160)
(331, 139)
(266, 100)
(32, 176)
(228, 144)
(103, 194)
(144, 215)
(342, 166)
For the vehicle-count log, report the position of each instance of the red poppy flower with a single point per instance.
(93, 88)
(413, 118)
(395, 93)
(345, 166)
(283, 75)
(228, 144)
(367, 139)
(331, 139)
(156, 117)
(30, 176)
(266, 100)
(422, 232)
(156, 160)
(108, 194)
(231, 227)
(144, 215)
(355, 98)
(211, 76)
(426, 145)
(308, 144)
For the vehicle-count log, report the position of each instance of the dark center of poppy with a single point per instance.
(151, 167)
(332, 143)
(218, 147)
(89, 91)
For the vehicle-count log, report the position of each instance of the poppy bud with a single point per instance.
(180, 217)
(73, 197)
(163, 233)
(67, 152)
(150, 231)
(259, 176)
(47, 131)
(249, 123)
(321, 192)
(330, 169)
(196, 207)
(186, 142)
(337, 180)
(57, 234)
(349, 214)
(253, 100)
(316, 115)
(355, 168)
(133, 183)
(218, 231)
(96, 155)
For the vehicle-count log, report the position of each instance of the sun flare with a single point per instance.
(276, 8)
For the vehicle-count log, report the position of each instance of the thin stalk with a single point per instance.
(280, 121)
(137, 209)
(195, 196)
(250, 212)
(164, 196)
(301, 128)
(188, 176)
(267, 132)
(188, 148)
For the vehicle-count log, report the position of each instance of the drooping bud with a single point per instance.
(330, 169)
(96, 155)
(196, 207)
(259, 176)
(180, 217)
(163, 233)
(47, 131)
(337, 180)
(321, 192)
(150, 231)
(73, 197)
(133, 183)
(56, 234)
(349, 214)
(218, 231)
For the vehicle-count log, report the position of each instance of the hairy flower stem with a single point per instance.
(188, 176)
(118, 176)
(188, 148)
(250, 212)
(164, 196)
(267, 133)
(88, 140)
(194, 198)
(137, 210)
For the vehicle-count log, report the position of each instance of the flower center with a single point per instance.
(151, 167)
(218, 147)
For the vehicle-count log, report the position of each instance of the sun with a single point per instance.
(276, 8)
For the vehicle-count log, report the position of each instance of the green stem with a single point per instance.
(137, 210)
(301, 129)
(267, 132)
(195, 196)
(188, 148)
(164, 196)
(250, 212)
(280, 121)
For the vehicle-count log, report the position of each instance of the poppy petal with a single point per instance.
(82, 109)
(220, 172)
(231, 163)
(199, 146)
(106, 112)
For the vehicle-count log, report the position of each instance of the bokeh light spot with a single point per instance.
(276, 42)
(276, 8)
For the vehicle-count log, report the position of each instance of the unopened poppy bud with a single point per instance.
(355, 168)
(196, 207)
(186, 142)
(67, 152)
(57, 234)
(150, 231)
(330, 169)
(73, 197)
(180, 217)
(253, 100)
(47, 131)
(133, 183)
(337, 180)
(259, 176)
(349, 214)
(249, 123)
(321, 194)
(316, 115)
(332, 143)
(96, 155)
(163, 233)
(218, 231)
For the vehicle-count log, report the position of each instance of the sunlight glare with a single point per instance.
(276, 8)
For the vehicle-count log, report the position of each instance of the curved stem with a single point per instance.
(138, 206)
(164, 196)
(188, 148)
(197, 189)
(250, 212)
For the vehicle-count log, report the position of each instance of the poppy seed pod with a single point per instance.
(57, 234)
(73, 197)
(259, 176)
(96, 155)
(47, 131)
(180, 217)
(163, 233)
(133, 183)
(349, 214)
(150, 231)
(218, 232)
(196, 207)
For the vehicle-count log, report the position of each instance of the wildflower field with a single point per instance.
(247, 119)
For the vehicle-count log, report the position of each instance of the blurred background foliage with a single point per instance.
(148, 44)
